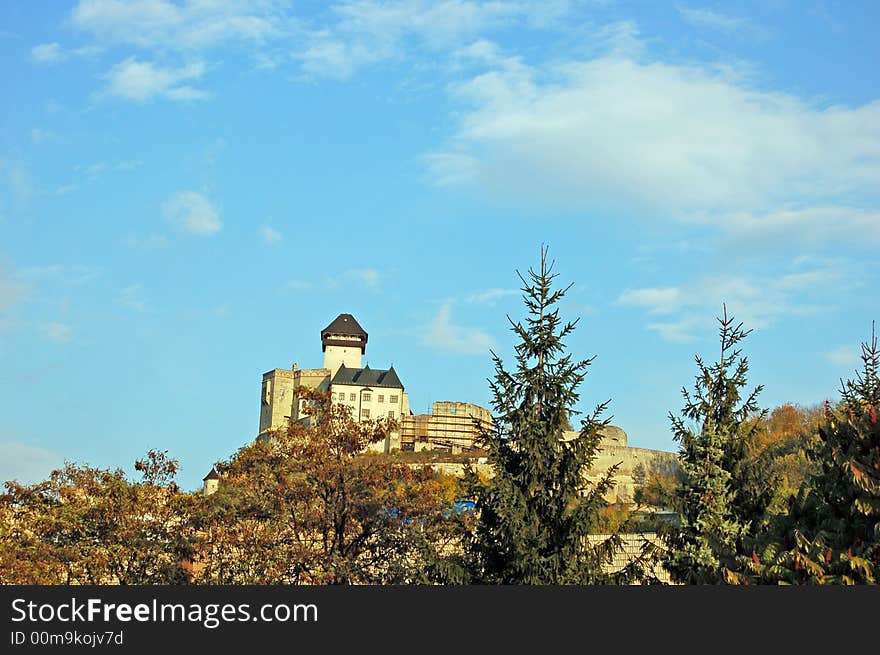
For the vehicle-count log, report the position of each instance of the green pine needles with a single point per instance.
(721, 500)
(533, 516)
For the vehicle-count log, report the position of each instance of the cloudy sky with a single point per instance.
(191, 190)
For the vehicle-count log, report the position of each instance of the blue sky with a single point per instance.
(190, 191)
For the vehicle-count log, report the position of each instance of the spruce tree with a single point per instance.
(721, 500)
(831, 533)
(534, 514)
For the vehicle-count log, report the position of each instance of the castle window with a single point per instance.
(365, 413)
(390, 414)
(367, 396)
(381, 398)
(341, 395)
(352, 397)
(392, 399)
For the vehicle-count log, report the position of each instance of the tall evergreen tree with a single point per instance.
(534, 514)
(721, 500)
(831, 533)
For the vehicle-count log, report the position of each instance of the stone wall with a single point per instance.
(276, 399)
(631, 550)
(632, 463)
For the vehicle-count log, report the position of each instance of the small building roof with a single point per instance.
(213, 475)
(367, 377)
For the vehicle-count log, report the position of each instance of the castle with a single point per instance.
(369, 393)
(451, 427)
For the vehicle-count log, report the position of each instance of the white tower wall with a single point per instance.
(336, 356)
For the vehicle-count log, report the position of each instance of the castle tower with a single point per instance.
(211, 482)
(343, 342)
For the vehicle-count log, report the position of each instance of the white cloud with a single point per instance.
(149, 242)
(40, 136)
(132, 297)
(192, 212)
(368, 31)
(271, 235)
(298, 285)
(47, 53)
(664, 300)
(684, 329)
(687, 142)
(713, 19)
(15, 186)
(26, 464)
(57, 332)
(822, 225)
(64, 189)
(480, 51)
(353, 278)
(690, 309)
(184, 26)
(127, 165)
(101, 167)
(452, 168)
(58, 274)
(52, 53)
(11, 293)
(143, 81)
(441, 333)
(491, 296)
(338, 59)
(843, 356)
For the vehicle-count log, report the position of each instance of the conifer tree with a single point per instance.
(721, 500)
(534, 514)
(831, 533)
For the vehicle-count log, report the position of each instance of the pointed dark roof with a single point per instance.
(345, 324)
(367, 377)
(212, 475)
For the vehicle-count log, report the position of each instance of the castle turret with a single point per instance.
(343, 342)
(211, 482)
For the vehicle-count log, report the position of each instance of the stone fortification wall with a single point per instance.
(632, 463)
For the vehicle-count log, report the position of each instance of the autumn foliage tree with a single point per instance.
(831, 531)
(86, 525)
(308, 506)
(781, 447)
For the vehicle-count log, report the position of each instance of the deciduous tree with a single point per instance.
(88, 525)
(831, 532)
(309, 506)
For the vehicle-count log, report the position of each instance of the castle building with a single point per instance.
(211, 482)
(369, 393)
(451, 427)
